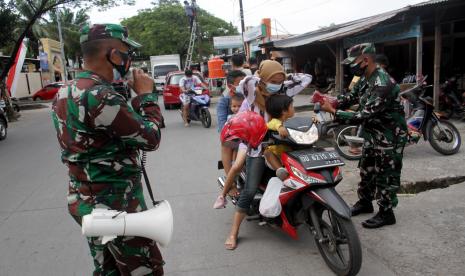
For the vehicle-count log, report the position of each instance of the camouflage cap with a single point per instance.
(355, 51)
(104, 31)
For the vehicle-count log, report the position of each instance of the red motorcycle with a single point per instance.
(308, 197)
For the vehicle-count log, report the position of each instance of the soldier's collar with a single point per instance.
(86, 74)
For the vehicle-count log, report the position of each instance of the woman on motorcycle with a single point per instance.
(271, 80)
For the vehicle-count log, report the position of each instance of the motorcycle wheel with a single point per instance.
(205, 118)
(340, 245)
(3, 131)
(444, 137)
(343, 146)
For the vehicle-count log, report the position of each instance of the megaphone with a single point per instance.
(155, 224)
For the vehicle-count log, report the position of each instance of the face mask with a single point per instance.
(273, 88)
(238, 89)
(357, 70)
(122, 68)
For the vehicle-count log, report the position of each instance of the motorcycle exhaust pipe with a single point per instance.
(354, 139)
(221, 180)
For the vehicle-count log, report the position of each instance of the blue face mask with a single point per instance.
(273, 88)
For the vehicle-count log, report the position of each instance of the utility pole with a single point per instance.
(63, 59)
(242, 25)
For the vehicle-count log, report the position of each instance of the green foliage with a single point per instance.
(8, 21)
(70, 25)
(164, 29)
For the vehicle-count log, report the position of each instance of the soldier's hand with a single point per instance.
(142, 82)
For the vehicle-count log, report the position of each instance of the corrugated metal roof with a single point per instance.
(428, 3)
(346, 29)
(337, 31)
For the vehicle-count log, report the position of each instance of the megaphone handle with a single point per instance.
(146, 178)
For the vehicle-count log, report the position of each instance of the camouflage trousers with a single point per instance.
(380, 171)
(123, 255)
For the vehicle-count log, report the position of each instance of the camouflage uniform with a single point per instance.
(383, 128)
(100, 135)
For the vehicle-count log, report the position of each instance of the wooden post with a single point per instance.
(420, 53)
(437, 58)
(339, 67)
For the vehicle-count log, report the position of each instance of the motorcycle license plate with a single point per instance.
(312, 160)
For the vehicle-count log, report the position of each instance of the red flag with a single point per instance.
(15, 70)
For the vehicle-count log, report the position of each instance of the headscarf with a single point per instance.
(267, 69)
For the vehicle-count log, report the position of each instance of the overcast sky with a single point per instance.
(288, 16)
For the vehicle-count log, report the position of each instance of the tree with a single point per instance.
(71, 22)
(164, 29)
(8, 22)
(39, 8)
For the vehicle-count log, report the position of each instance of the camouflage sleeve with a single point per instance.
(375, 105)
(345, 101)
(136, 126)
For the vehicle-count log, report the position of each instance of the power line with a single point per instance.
(256, 6)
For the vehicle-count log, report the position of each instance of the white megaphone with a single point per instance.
(155, 224)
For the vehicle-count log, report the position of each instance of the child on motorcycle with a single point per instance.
(229, 153)
(280, 109)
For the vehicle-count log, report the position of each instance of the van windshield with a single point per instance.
(163, 70)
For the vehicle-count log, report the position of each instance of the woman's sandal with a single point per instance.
(231, 243)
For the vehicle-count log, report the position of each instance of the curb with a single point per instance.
(415, 187)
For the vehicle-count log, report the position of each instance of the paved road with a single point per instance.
(38, 237)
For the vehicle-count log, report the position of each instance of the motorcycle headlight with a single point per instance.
(306, 138)
(308, 179)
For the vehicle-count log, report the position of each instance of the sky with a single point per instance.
(287, 16)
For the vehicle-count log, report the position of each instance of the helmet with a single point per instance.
(248, 126)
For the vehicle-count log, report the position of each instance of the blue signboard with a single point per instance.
(385, 33)
(43, 61)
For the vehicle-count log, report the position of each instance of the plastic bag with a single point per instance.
(270, 206)
(321, 98)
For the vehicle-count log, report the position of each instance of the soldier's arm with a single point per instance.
(345, 101)
(135, 126)
(374, 106)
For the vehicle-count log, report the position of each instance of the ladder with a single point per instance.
(190, 50)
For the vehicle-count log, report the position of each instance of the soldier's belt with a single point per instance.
(97, 189)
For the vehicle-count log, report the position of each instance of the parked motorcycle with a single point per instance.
(442, 135)
(450, 100)
(308, 197)
(336, 131)
(198, 107)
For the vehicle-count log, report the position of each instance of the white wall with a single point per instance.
(34, 84)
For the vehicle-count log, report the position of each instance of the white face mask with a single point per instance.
(238, 89)
(273, 88)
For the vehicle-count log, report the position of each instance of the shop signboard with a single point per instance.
(227, 42)
(253, 33)
(43, 57)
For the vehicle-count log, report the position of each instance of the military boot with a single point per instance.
(362, 206)
(383, 217)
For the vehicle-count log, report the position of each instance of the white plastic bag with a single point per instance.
(270, 206)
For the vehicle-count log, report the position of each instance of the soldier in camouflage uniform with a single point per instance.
(384, 130)
(100, 135)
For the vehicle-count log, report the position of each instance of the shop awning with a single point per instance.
(336, 32)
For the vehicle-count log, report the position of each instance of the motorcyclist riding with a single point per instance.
(188, 83)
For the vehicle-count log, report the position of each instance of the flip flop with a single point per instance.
(231, 244)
